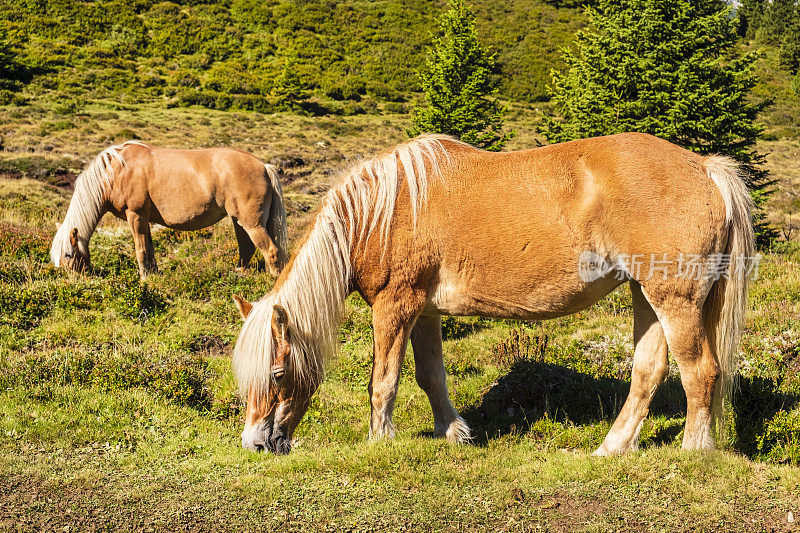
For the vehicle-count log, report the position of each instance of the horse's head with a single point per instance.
(276, 405)
(76, 256)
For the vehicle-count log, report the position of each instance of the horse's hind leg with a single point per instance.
(681, 316)
(265, 245)
(650, 365)
(426, 339)
(246, 246)
(699, 371)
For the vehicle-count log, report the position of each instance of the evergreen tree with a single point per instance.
(460, 85)
(750, 13)
(12, 73)
(777, 20)
(790, 48)
(665, 67)
(289, 90)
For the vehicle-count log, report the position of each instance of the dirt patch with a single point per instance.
(212, 345)
(567, 512)
(28, 504)
(63, 179)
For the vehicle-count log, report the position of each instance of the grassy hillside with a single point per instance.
(229, 54)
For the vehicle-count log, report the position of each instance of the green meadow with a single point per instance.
(119, 407)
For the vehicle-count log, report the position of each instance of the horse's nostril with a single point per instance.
(281, 445)
(260, 447)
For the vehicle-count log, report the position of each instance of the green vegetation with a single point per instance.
(118, 400)
(12, 73)
(460, 85)
(669, 68)
(231, 54)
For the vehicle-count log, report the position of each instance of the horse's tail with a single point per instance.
(726, 305)
(85, 207)
(275, 223)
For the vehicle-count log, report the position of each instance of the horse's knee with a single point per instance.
(430, 381)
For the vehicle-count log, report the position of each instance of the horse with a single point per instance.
(437, 227)
(180, 189)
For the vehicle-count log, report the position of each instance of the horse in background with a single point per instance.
(180, 189)
(437, 227)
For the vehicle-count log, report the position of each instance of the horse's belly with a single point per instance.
(189, 219)
(517, 300)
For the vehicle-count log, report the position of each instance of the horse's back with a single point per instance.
(626, 187)
(190, 189)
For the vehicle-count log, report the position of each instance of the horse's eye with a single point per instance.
(69, 254)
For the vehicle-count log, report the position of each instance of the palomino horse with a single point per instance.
(438, 227)
(180, 189)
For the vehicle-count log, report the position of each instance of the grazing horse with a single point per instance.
(437, 227)
(180, 189)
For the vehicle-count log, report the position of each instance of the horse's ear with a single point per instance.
(280, 323)
(73, 237)
(243, 306)
(280, 317)
(58, 226)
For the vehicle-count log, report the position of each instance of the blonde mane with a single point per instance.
(86, 205)
(314, 289)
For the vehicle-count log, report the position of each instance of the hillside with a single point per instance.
(229, 54)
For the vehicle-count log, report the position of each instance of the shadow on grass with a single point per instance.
(534, 389)
(755, 403)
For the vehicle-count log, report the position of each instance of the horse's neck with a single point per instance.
(318, 281)
(85, 210)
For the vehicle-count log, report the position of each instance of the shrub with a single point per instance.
(780, 441)
(519, 346)
(22, 242)
(134, 298)
(183, 379)
(454, 328)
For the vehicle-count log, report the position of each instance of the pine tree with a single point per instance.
(776, 21)
(665, 67)
(460, 84)
(289, 90)
(12, 73)
(750, 13)
(790, 48)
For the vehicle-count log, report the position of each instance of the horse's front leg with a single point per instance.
(392, 320)
(142, 243)
(426, 339)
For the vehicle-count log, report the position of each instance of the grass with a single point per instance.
(117, 403)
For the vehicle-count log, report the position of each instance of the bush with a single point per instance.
(395, 108)
(454, 328)
(134, 298)
(780, 441)
(183, 379)
(24, 243)
(519, 346)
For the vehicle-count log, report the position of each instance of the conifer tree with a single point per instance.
(289, 90)
(790, 47)
(665, 67)
(11, 71)
(460, 84)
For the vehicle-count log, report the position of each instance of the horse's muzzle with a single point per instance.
(267, 438)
